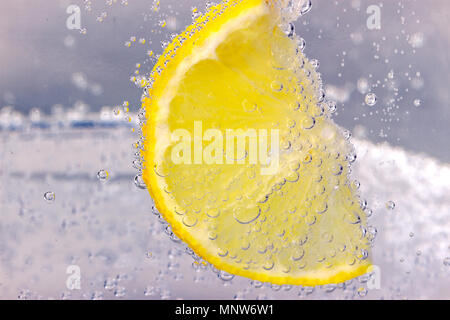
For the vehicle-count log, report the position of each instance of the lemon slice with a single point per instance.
(240, 155)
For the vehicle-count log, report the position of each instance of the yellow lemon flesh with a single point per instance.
(240, 155)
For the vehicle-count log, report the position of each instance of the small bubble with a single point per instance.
(351, 157)
(275, 287)
(308, 123)
(150, 291)
(370, 99)
(119, 292)
(165, 294)
(300, 44)
(246, 216)
(390, 205)
(102, 175)
(49, 196)
(109, 284)
(306, 7)
(222, 252)
(268, 265)
(315, 63)
(289, 29)
(347, 134)
(417, 102)
(332, 107)
(276, 86)
(363, 255)
(337, 169)
(189, 221)
(362, 85)
(97, 295)
(224, 276)
(391, 74)
(256, 284)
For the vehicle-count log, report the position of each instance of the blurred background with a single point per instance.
(63, 95)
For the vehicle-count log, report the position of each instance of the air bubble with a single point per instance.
(390, 205)
(370, 99)
(289, 29)
(315, 63)
(246, 216)
(306, 7)
(102, 175)
(256, 284)
(212, 235)
(308, 123)
(362, 292)
(332, 107)
(120, 292)
(362, 85)
(139, 181)
(268, 265)
(222, 252)
(189, 221)
(249, 106)
(225, 276)
(337, 169)
(49, 196)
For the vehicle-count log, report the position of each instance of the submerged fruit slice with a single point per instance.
(241, 157)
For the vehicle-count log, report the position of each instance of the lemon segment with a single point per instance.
(284, 213)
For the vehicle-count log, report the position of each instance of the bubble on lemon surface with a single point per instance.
(447, 261)
(363, 85)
